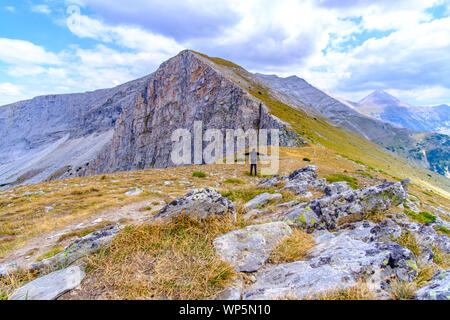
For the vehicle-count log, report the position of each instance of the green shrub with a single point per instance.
(342, 177)
(442, 229)
(307, 159)
(234, 181)
(421, 217)
(199, 174)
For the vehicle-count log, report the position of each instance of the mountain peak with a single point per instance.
(379, 97)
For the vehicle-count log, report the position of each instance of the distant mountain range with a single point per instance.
(431, 150)
(383, 106)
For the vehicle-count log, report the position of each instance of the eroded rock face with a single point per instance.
(329, 212)
(79, 248)
(337, 261)
(437, 289)
(248, 249)
(51, 286)
(197, 204)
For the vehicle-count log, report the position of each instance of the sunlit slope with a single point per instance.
(320, 131)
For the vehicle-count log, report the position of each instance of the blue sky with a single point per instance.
(347, 47)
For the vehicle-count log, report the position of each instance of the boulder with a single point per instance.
(51, 286)
(198, 204)
(329, 212)
(337, 188)
(261, 199)
(248, 249)
(337, 261)
(307, 173)
(270, 182)
(437, 289)
(79, 248)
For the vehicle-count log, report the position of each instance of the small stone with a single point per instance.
(134, 192)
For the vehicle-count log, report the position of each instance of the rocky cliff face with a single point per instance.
(52, 136)
(183, 90)
(124, 128)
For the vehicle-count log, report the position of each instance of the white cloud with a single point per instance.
(9, 89)
(24, 52)
(41, 8)
(10, 8)
(308, 38)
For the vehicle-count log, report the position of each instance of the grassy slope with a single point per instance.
(342, 141)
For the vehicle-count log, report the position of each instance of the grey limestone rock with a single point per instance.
(198, 204)
(248, 249)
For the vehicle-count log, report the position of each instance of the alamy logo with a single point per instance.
(225, 146)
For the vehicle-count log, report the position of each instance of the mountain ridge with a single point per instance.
(383, 106)
(248, 91)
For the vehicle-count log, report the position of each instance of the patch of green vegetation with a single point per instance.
(53, 252)
(366, 174)
(199, 174)
(247, 173)
(427, 193)
(234, 181)
(421, 217)
(307, 159)
(442, 229)
(336, 177)
(245, 194)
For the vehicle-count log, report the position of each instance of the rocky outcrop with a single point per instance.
(337, 261)
(78, 249)
(261, 199)
(330, 211)
(51, 286)
(438, 287)
(248, 249)
(425, 235)
(197, 204)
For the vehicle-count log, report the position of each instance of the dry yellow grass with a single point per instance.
(24, 210)
(402, 290)
(10, 283)
(294, 248)
(164, 261)
(359, 291)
